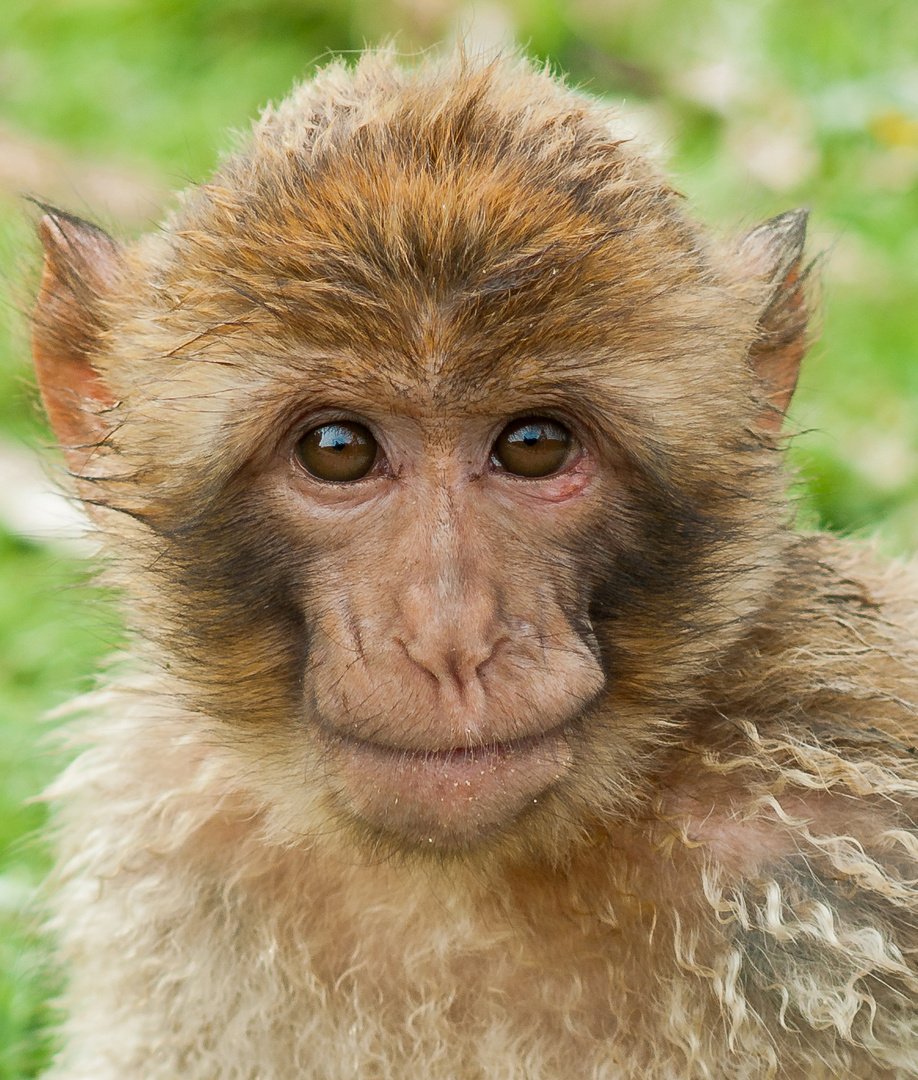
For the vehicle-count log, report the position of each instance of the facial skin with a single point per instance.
(444, 699)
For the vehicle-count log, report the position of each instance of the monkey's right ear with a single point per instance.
(775, 252)
(81, 265)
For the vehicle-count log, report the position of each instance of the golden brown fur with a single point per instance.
(719, 880)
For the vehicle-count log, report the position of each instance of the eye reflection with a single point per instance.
(340, 452)
(532, 447)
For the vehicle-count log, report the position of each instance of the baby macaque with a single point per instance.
(483, 717)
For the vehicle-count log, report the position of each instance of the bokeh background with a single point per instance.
(757, 106)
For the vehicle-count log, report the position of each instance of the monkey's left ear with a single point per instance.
(82, 263)
(775, 251)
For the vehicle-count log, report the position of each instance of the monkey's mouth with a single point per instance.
(447, 798)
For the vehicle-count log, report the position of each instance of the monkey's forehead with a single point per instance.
(471, 219)
(468, 185)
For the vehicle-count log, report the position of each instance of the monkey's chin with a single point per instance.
(447, 799)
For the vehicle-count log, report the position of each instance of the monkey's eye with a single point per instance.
(340, 452)
(534, 446)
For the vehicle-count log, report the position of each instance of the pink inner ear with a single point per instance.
(71, 389)
(80, 262)
(777, 360)
(73, 396)
(781, 342)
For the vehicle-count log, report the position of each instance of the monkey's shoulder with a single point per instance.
(830, 658)
(842, 574)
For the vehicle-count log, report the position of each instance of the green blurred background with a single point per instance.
(758, 106)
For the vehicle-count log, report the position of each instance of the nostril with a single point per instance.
(481, 668)
(418, 661)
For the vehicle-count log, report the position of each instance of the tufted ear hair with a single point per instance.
(775, 251)
(82, 264)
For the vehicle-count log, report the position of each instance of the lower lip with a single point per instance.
(447, 798)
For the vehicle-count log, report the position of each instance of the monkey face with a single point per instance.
(442, 695)
(424, 579)
(435, 452)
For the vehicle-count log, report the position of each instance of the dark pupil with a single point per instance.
(532, 448)
(339, 452)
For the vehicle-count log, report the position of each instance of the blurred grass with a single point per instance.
(761, 105)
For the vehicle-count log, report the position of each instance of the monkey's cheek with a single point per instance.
(447, 799)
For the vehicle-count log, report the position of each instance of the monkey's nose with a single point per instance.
(451, 631)
(457, 667)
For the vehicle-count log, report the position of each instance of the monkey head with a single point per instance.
(434, 445)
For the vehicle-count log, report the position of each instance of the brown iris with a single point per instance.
(534, 446)
(340, 452)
